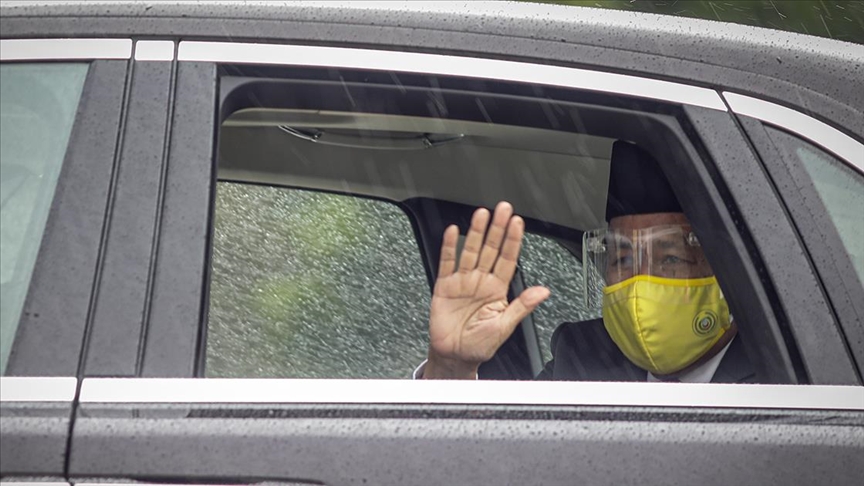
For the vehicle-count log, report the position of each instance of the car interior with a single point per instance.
(552, 176)
(439, 153)
(556, 179)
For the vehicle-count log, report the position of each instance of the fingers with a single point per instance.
(471, 250)
(506, 265)
(495, 236)
(503, 241)
(523, 305)
(447, 263)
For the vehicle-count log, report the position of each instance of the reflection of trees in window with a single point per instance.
(307, 284)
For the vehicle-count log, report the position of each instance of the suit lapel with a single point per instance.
(584, 351)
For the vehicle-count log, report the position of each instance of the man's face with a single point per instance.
(658, 244)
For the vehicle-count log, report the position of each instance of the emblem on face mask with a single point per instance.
(704, 323)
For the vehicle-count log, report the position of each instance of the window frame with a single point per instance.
(722, 214)
(180, 265)
(241, 90)
(120, 313)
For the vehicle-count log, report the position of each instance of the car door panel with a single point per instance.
(247, 431)
(811, 326)
(467, 452)
(826, 251)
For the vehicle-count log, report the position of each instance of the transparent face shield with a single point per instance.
(613, 255)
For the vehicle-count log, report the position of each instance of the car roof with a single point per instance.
(827, 73)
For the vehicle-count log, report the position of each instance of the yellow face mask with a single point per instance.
(662, 324)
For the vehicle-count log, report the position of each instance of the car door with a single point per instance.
(62, 103)
(180, 426)
(817, 169)
(176, 422)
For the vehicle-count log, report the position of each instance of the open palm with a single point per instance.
(470, 317)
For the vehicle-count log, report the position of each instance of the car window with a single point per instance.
(355, 316)
(546, 262)
(841, 190)
(313, 285)
(38, 103)
(306, 282)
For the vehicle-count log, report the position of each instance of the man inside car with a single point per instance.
(664, 315)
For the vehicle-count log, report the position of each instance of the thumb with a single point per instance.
(523, 305)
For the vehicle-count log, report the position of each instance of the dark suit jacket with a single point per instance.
(584, 351)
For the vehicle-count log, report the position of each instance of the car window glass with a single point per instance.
(841, 189)
(545, 262)
(313, 285)
(38, 103)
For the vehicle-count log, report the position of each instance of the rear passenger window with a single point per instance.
(840, 188)
(313, 285)
(38, 103)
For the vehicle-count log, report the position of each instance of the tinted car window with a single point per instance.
(313, 285)
(841, 190)
(38, 103)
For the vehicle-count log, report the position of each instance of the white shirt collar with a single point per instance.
(702, 373)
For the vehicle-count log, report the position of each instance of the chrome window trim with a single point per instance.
(34, 483)
(37, 389)
(136, 483)
(422, 392)
(154, 50)
(412, 62)
(64, 49)
(809, 128)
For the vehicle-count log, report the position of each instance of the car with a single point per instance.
(222, 221)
